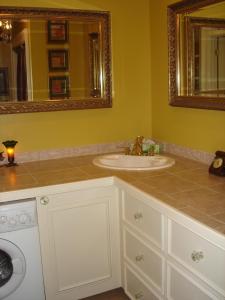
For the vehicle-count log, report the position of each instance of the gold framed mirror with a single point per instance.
(54, 59)
(196, 37)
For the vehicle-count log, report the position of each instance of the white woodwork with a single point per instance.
(199, 255)
(196, 253)
(136, 288)
(79, 242)
(144, 258)
(142, 217)
(183, 287)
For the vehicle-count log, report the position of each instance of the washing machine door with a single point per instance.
(12, 268)
(6, 268)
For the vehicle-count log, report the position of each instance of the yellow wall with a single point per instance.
(131, 112)
(198, 129)
(137, 85)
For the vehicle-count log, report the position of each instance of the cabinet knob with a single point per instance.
(139, 295)
(138, 216)
(196, 256)
(44, 200)
(139, 258)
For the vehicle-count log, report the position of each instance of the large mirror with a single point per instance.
(196, 31)
(54, 60)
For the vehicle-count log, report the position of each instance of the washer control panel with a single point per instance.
(17, 216)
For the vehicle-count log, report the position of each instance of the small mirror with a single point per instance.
(197, 54)
(54, 60)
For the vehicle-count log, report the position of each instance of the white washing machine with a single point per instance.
(20, 260)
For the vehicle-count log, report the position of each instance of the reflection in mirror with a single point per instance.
(54, 60)
(197, 54)
(95, 64)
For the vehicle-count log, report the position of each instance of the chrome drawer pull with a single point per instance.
(138, 216)
(139, 258)
(139, 295)
(44, 200)
(197, 256)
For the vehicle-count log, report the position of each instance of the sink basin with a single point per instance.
(131, 162)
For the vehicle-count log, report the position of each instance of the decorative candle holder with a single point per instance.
(10, 150)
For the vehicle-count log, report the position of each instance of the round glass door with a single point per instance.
(6, 268)
(12, 268)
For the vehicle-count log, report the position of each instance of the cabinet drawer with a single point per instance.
(136, 289)
(197, 254)
(147, 260)
(147, 220)
(181, 286)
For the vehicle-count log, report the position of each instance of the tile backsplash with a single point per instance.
(201, 156)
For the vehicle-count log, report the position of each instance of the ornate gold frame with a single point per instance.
(59, 105)
(201, 102)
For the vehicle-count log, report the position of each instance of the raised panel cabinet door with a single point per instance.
(78, 237)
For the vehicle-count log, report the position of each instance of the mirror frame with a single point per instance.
(185, 6)
(60, 105)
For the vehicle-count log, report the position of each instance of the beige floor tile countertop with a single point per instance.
(186, 186)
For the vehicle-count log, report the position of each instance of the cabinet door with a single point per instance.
(79, 242)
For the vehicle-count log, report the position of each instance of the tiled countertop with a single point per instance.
(187, 186)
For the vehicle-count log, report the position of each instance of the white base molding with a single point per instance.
(201, 156)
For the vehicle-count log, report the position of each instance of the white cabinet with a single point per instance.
(167, 255)
(144, 258)
(145, 219)
(199, 255)
(93, 232)
(182, 286)
(79, 242)
(142, 226)
(136, 288)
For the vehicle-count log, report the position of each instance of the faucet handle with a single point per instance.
(139, 139)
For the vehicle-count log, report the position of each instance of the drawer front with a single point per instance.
(144, 218)
(198, 254)
(181, 286)
(147, 260)
(136, 289)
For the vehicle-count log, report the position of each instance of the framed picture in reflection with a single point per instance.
(58, 60)
(57, 31)
(59, 87)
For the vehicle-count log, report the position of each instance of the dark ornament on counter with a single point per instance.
(217, 167)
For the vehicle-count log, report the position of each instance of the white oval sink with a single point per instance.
(131, 162)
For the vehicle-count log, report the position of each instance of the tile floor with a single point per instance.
(117, 294)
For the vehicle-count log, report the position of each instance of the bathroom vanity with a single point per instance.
(167, 255)
(100, 234)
